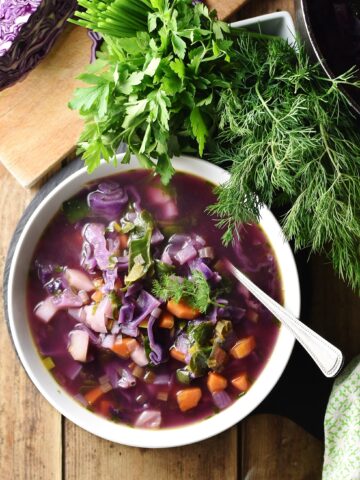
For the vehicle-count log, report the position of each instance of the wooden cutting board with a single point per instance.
(37, 129)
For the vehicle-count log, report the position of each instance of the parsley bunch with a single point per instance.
(156, 91)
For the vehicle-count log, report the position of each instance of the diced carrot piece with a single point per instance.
(177, 355)
(92, 395)
(124, 347)
(97, 296)
(241, 382)
(243, 347)
(188, 398)
(216, 382)
(123, 241)
(166, 320)
(105, 406)
(252, 315)
(182, 310)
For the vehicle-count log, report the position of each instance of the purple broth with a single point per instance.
(61, 244)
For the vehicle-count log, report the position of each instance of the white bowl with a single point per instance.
(24, 344)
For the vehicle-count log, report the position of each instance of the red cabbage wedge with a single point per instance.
(28, 30)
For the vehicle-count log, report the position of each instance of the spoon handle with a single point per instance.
(328, 358)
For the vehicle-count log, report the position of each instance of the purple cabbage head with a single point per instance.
(28, 30)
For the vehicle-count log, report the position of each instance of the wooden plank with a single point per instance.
(276, 448)
(37, 129)
(91, 458)
(226, 8)
(256, 7)
(30, 429)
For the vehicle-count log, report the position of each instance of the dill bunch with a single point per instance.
(194, 291)
(292, 141)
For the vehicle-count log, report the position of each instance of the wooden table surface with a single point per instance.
(37, 443)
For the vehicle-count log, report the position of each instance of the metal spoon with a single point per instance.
(327, 357)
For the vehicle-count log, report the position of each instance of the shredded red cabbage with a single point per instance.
(157, 354)
(94, 233)
(221, 399)
(28, 30)
(109, 200)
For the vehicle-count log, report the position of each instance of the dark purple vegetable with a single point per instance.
(108, 200)
(94, 233)
(221, 399)
(200, 265)
(28, 30)
(145, 305)
(126, 313)
(134, 197)
(110, 277)
(157, 354)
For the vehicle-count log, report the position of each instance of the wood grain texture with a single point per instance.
(288, 452)
(226, 8)
(30, 429)
(37, 129)
(91, 458)
(259, 7)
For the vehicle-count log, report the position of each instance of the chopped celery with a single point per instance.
(183, 375)
(198, 363)
(200, 333)
(49, 363)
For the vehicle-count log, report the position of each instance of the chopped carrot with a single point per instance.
(97, 296)
(105, 406)
(188, 398)
(216, 382)
(166, 320)
(243, 347)
(177, 355)
(123, 241)
(241, 382)
(124, 346)
(182, 310)
(252, 315)
(92, 395)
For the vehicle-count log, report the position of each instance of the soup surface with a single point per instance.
(132, 310)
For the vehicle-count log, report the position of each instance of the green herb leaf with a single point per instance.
(199, 128)
(75, 209)
(194, 291)
(139, 243)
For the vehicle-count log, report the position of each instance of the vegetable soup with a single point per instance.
(133, 311)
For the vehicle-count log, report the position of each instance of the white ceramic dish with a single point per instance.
(74, 411)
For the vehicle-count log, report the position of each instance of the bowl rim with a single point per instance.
(167, 437)
(309, 30)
